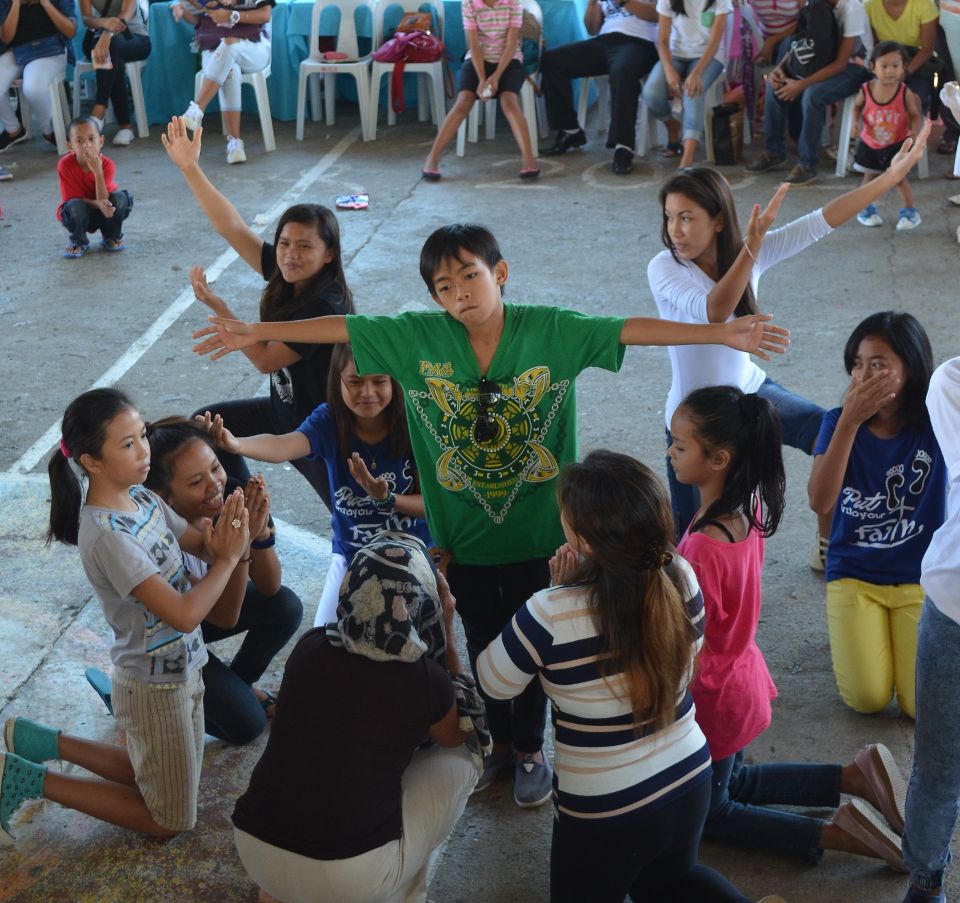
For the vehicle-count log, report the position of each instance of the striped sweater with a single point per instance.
(604, 769)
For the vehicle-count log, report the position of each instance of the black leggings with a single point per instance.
(651, 858)
(111, 83)
(231, 710)
(251, 417)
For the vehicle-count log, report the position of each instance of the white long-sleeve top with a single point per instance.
(940, 570)
(680, 290)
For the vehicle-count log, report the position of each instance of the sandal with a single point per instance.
(947, 146)
(673, 149)
(266, 700)
(431, 175)
(72, 252)
(113, 244)
(529, 174)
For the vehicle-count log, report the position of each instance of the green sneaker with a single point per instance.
(31, 741)
(19, 780)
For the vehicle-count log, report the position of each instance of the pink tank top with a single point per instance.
(884, 123)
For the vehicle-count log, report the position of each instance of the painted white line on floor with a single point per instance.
(31, 457)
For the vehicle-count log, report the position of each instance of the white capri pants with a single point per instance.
(37, 77)
(330, 597)
(436, 785)
(225, 63)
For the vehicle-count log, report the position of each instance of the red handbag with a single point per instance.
(409, 47)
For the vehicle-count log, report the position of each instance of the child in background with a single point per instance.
(877, 465)
(89, 198)
(130, 547)
(361, 437)
(490, 396)
(728, 445)
(888, 113)
(493, 68)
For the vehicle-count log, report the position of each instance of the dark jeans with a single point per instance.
(740, 792)
(800, 420)
(488, 596)
(252, 416)
(624, 58)
(111, 83)
(79, 218)
(231, 709)
(651, 858)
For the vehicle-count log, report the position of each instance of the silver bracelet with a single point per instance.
(746, 248)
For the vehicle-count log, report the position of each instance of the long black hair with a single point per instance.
(680, 10)
(280, 299)
(909, 341)
(749, 429)
(708, 189)
(84, 431)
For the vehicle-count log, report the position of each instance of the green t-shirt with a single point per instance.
(492, 502)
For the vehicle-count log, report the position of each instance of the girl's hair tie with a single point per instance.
(656, 561)
(63, 448)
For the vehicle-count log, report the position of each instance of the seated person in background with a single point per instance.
(116, 35)
(234, 40)
(90, 199)
(623, 46)
(33, 46)
(777, 20)
(814, 91)
(912, 23)
(357, 701)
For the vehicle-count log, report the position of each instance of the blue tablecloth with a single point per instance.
(168, 78)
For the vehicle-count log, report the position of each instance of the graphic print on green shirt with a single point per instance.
(489, 446)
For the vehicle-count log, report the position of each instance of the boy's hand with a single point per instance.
(789, 89)
(220, 434)
(755, 335)
(105, 207)
(376, 487)
(201, 291)
(180, 148)
(89, 156)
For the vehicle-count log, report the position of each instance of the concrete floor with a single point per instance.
(579, 237)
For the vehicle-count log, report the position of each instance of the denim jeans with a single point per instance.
(740, 792)
(655, 95)
(79, 218)
(933, 799)
(231, 710)
(801, 424)
(813, 104)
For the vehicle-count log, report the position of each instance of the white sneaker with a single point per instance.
(193, 117)
(98, 121)
(869, 216)
(909, 219)
(235, 151)
(950, 97)
(123, 137)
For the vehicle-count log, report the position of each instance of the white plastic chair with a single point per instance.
(434, 99)
(133, 70)
(602, 84)
(648, 125)
(354, 64)
(258, 81)
(469, 128)
(843, 143)
(58, 106)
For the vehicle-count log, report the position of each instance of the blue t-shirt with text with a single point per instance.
(355, 520)
(892, 501)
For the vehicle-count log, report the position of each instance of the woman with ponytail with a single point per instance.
(727, 444)
(613, 643)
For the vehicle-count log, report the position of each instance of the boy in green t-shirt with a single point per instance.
(490, 401)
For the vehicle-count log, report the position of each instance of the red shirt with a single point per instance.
(732, 688)
(77, 182)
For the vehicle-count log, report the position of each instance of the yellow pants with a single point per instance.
(873, 642)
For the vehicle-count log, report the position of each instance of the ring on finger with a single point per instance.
(236, 523)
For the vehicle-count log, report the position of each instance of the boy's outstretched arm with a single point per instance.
(223, 216)
(754, 334)
(226, 335)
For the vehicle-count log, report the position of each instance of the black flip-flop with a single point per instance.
(268, 700)
(431, 175)
(673, 149)
(528, 175)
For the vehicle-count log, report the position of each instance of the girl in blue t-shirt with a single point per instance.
(877, 465)
(361, 435)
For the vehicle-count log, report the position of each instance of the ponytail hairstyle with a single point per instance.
(708, 189)
(83, 432)
(909, 341)
(167, 438)
(280, 300)
(680, 10)
(747, 427)
(620, 509)
(345, 418)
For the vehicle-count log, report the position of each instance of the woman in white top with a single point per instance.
(710, 272)
(692, 57)
(116, 35)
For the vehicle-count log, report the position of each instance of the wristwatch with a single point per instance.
(235, 17)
